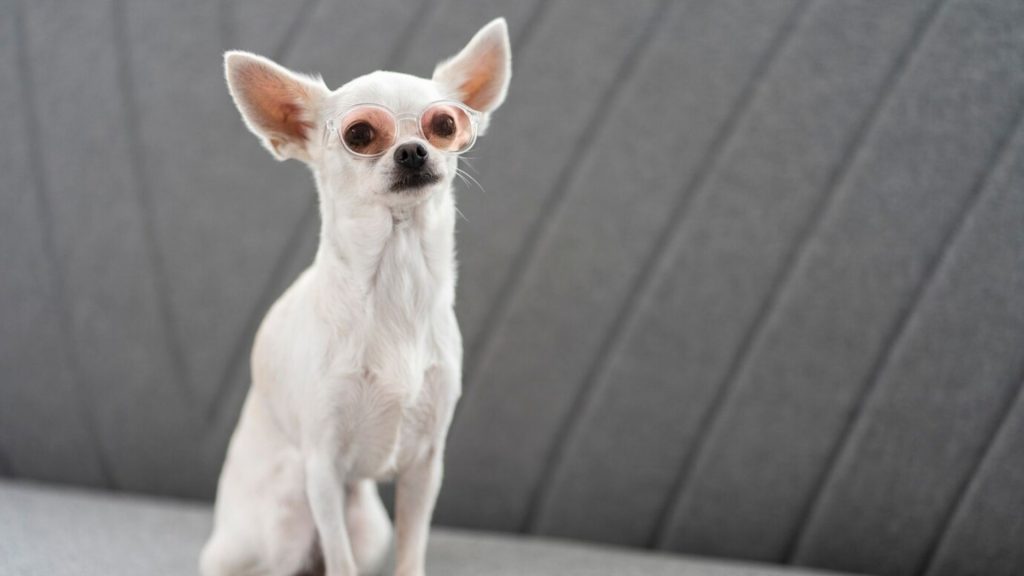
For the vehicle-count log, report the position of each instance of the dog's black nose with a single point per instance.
(412, 155)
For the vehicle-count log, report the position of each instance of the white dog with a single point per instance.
(357, 367)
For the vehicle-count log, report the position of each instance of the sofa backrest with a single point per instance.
(745, 278)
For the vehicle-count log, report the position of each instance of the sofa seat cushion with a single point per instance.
(69, 531)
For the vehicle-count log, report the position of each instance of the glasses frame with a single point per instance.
(331, 126)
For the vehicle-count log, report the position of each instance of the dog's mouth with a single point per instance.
(405, 181)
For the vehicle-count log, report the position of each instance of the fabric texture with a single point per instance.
(70, 532)
(742, 278)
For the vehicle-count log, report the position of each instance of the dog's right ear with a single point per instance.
(277, 104)
(479, 74)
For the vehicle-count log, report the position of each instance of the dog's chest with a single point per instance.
(392, 423)
(390, 412)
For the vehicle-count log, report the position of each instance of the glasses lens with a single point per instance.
(367, 130)
(448, 127)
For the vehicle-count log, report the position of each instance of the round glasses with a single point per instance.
(369, 130)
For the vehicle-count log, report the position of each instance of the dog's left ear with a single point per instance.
(479, 74)
(278, 105)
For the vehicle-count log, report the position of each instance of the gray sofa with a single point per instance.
(744, 280)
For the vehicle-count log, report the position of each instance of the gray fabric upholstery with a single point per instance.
(745, 278)
(78, 533)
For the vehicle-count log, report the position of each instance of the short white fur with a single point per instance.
(357, 367)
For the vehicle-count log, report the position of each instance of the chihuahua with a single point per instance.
(356, 369)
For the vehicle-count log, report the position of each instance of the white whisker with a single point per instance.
(470, 165)
(466, 175)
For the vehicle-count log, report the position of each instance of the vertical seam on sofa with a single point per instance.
(37, 163)
(841, 450)
(779, 285)
(139, 177)
(1002, 419)
(540, 229)
(297, 234)
(401, 47)
(530, 25)
(226, 24)
(970, 486)
(835, 182)
(640, 288)
(294, 30)
(236, 356)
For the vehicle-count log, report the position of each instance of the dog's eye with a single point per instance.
(359, 135)
(443, 125)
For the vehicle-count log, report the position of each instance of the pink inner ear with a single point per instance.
(482, 84)
(275, 102)
(291, 119)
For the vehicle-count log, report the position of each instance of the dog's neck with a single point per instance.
(375, 254)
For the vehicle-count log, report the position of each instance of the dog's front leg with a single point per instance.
(417, 492)
(325, 489)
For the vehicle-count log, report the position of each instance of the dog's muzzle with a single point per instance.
(410, 180)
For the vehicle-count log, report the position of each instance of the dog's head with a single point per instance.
(384, 137)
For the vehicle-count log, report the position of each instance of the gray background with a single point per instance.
(745, 277)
